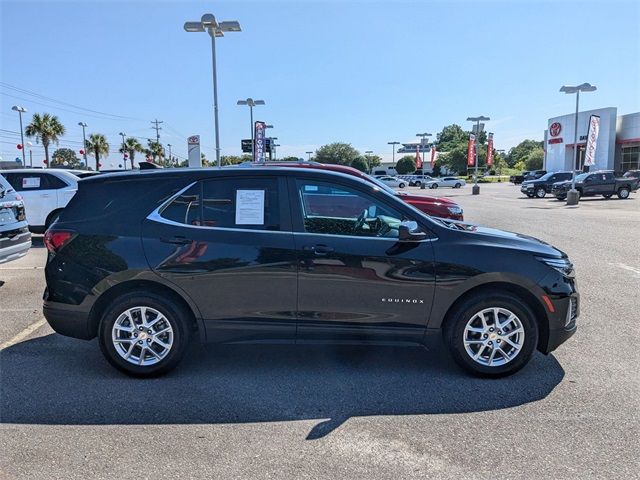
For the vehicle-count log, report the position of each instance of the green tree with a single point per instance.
(360, 163)
(46, 128)
(97, 144)
(373, 161)
(289, 159)
(131, 147)
(234, 159)
(65, 157)
(155, 150)
(522, 150)
(535, 159)
(405, 165)
(451, 136)
(336, 153)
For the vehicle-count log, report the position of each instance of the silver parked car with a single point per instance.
(15, 238)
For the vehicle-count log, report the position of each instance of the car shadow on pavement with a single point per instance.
(61, 381)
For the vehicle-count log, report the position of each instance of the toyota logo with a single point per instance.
(555, 129)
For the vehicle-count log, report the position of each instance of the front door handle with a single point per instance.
(178, 240)
(319, 249)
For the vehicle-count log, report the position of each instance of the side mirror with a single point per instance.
(408, 232)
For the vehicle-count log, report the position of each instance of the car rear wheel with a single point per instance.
(491, 336)
(457, 185)
(402, 185)
(433, 185)
(144, 334)
(623, 193)
(540, 192)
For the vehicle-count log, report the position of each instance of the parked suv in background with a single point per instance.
(418, 180)
(533, 175)
(540, 187)
(15, 239)
(602, 182)
(293, 255)
(45, 193)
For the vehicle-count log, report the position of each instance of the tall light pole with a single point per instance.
(169, 145)
(572, 195)
(30, 154)
(368, 154)
(84, 142)
(272, 147)
(476, 188)
(393, 154)
(215, 29)
(21, 110)
(251, 103)
(309, 158)
(124, 151)
(423, 142)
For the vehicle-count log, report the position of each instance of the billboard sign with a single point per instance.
(193, 149)
(245, 145)
(592, 140)
(259, 142)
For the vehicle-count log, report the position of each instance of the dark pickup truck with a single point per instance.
(540, 187)
(597, 183)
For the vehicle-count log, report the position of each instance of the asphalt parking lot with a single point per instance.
(341, 412)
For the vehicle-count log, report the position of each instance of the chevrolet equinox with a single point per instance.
(147, 261)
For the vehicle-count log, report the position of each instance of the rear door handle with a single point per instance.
(318, 249)
(177, 240)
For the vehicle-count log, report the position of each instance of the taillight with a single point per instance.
(54, 240)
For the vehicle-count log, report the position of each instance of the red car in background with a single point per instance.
(436, 207)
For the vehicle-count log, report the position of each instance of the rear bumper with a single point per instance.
(68, 320)
(14, 244)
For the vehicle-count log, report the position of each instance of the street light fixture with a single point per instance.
(169, 145)
(309, 153)
(84, 142)
(251, 103)
(21, 110)
(272, 149)
(124, 152)
(423, 142)
(393, 155)
(572, 195)
(368, 154)
(215, 29)
(476, 188)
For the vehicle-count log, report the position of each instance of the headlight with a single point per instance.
(455, 210)
(561, 265)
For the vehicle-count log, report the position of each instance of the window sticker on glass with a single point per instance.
(31, 182)
(310, 188)
(250, 207)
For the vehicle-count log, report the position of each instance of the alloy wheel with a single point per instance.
(493, 336)
(142, 336)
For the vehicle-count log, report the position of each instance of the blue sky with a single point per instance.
(361, 72)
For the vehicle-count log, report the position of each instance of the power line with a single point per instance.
(157, 128)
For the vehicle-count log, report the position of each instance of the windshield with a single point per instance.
(581, 177)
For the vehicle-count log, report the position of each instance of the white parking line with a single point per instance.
(23, 334)
(635, 271)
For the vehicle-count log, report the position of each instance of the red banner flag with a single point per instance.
(418, 159)
(471, 150)
(433, 156)
(490, 150)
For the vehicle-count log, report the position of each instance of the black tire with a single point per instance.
(561, 198)
(623, 193)
(177, 317)
(530, 195)
(433, 185)
(457, 185)
(607, 195)
(402, 185)
(417, 184)
(541, 192)
(453, 332)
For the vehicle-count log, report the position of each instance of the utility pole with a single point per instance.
(157, 128)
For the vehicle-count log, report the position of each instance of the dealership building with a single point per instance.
(618, 146)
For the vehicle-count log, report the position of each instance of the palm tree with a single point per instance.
(131, 146)
(155, 150)
(46, 128)
(97, 144)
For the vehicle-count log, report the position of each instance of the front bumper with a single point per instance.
(527, 189)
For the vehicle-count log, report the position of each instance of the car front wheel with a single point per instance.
(402, 185)
(144, 334)
(457, 185)
(541, 192)
(433, 185)
(491, 336)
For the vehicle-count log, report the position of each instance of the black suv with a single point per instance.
(540, 187)
(147, 260)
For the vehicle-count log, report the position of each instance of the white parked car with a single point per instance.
(452, 182)
(45, 193)
(393, 182)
